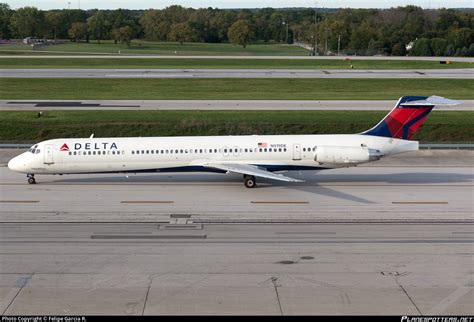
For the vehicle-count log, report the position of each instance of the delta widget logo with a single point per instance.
(64, 147)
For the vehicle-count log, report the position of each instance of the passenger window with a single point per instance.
(75, 153)
(133, 152)
(186, 151)
(265, 150)
(176, 151)
(246, 150)
(70, 153)
(284, 149)
(113, 152)
(260, 150)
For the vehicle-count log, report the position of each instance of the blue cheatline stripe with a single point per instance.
(270, 168)
(407, 126)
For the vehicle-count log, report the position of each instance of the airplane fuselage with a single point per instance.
(174, 154)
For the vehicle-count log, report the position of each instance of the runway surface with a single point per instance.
(395, 237)
(271, 105)
(57, 54)
(234, 73)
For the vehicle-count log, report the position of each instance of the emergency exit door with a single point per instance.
(296, 151)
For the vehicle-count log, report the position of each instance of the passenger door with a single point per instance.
(48, 154)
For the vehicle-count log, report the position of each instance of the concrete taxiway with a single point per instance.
(394, 237)
(433, 185)
(270, 105)
(236, 73)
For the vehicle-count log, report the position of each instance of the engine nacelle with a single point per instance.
(346, 154)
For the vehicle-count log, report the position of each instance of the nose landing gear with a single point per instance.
(31, 178)
(249, 181)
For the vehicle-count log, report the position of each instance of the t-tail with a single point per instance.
(407, 116)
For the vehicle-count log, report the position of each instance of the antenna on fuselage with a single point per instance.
(92, 136)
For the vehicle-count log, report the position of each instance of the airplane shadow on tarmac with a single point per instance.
(311, 179)
(315, 182)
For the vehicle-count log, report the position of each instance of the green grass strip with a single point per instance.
(164, 63)
(440, 126)
(231, 88)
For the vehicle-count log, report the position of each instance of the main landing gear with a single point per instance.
(31, 178)
(249, 181)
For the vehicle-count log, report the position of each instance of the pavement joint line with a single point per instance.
(19, 201)
(19, 290)
(148, 236)
(420, 202)
(220, 184)
(406, 293)
(279, 202)
(258, 222)
(146, 201)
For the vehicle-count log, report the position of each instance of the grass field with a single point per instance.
(231, 88)
(223, 63)
(143, 47)
(26, 127)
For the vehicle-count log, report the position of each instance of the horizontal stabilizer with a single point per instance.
(432, 100)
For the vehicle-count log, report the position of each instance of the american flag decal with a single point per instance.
(262, 145)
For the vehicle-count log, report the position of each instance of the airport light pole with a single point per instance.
(284, 23)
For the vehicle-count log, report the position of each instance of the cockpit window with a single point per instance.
(33, 149)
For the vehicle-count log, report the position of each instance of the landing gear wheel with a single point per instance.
(250, 182)
(31, 179)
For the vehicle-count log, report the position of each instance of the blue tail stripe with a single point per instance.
(407, 126)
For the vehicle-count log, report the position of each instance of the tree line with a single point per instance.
(395, 31)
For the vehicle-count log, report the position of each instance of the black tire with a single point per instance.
(31, 180)
(250, 182)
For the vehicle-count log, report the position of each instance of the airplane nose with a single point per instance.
(16, 164)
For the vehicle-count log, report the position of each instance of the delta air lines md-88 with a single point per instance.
(252, 156)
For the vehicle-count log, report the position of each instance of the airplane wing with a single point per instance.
(250, 170)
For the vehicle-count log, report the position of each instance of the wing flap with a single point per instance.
(250, 170)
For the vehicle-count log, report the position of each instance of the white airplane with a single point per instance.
(252, 156)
